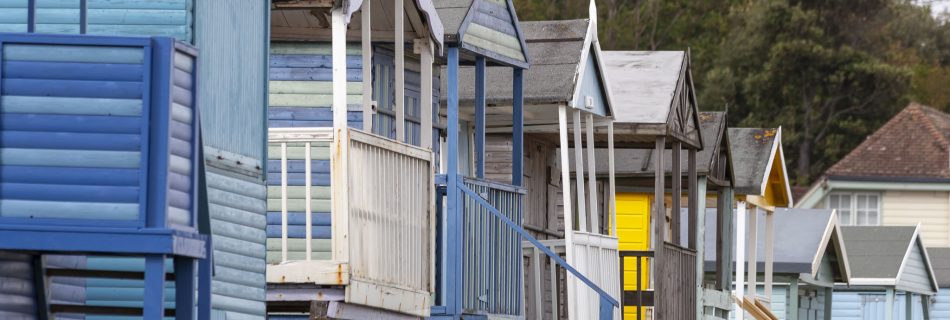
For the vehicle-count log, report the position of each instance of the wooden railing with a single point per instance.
(596, 256)
(382, 241)
(491, 258)
(674, 296)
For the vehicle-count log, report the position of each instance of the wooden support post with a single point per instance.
(517, 128)
(753, 253)
(427, 89)
(480, 117)
(283, 201)
(204, 283)
(579, 173)
(908, 305)
(740, 257)
(400, 77)
(536, 282)
(889, 304)
(659, 220)
(612, 177)
(184, 288)
(338, 154)
(367, 42)
(698, 225)
(451, 251)
(154, 304)
(829, 302)
(925, 306)
(308, 209)
(696, 216)
(592, 176)
(41, 288)
(566, 195)
(793, 303)
(676, 176)
(769, 252)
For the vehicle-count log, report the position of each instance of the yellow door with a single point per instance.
(633, 231)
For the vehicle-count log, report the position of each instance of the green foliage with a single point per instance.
(829, 72)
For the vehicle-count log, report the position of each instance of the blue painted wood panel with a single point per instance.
(171, 18)
(17, 296)
(591, 87)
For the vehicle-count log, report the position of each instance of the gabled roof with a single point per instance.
(804, 238)
(637, 162)
(915, 143)
(485, 27)
(940, 261)
(654, 94)
(882, 256)
(758, 164)
(558, 51)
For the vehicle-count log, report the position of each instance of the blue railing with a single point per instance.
(607, 303)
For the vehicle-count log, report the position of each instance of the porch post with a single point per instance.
(400, 77)
(366, 21)
(425, 101)
(517, 128)
(700, 227)
(769, 251)
(696, 217)
(566, 199)
(676, 195)
(725, 239)
(451, 250)
(480, 117)
(925, 306)
(154, 299)
(612, 178)
(592, 176)
(339, 158)
(579, 173)
(753, 252)
(793, 302)
(889, 304)
(740, 257)
(908, 305)
(659, 220)
(184, 288)
(829, 302)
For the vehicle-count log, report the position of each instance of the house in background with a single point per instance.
(899, 176)
(891, 275)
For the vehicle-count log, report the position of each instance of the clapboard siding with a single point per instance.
(591, 87)
(493, 28)
(871, 306)
(929, 208)
(16, 287)
(172, 18)
(43, 89)
(941, 307)
(916, 274)
(296, 201)
(301, 85)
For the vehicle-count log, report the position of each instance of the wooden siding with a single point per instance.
(47, 90)
(121, 293)
(871, 306)
(296, 201)
(929, 208)
(172, 18)
(233, 77)
(237, 208)
(493, 28)
(591, 87)
(916, 275)
(537, 177)
(16, 287)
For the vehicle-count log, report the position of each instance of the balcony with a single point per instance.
(380, 250)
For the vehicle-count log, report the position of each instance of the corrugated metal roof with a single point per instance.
(645, 82)
(877, 252)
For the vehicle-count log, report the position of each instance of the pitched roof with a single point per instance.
(638, 161)
(758, 162)
(940, 260)
(426, 7)
(883, 256)
(554, 48)
(915, 143)
(654, 89)
(806, 234)
(486, 27)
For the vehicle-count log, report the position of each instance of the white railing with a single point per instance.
(594, 255)
(382, 249)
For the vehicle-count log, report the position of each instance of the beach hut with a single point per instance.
(809, 259)
(233, 127)
(891, 275)
(634, 176)
(761, 186)
(940, 262)
(655, 109)
(564, 88)
(350, 211)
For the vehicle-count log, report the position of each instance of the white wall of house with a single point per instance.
(929, 208)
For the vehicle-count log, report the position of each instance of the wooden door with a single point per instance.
(633, 232)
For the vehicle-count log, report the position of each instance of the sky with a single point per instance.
(937, 5)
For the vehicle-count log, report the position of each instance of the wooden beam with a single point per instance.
(769, 252)
(740, 257)
(695, 215)
(426, 50)
(753, 253)
(517, 127)
(592, 175)
(659, 217)
(612, 178)
(339, 157)
(677, 192)
(579, 173)
(566, 193)
(889, 304)
(480, 69)
(367, 46)
(400, 77)
(301, 4)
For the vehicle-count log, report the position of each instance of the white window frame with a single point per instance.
(853, 196)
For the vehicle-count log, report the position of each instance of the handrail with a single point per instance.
(607, 303)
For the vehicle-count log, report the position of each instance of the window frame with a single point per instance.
(853, 206)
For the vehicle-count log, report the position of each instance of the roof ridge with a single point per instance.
(932, 127)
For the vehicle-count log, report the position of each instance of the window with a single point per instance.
(856, 208)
